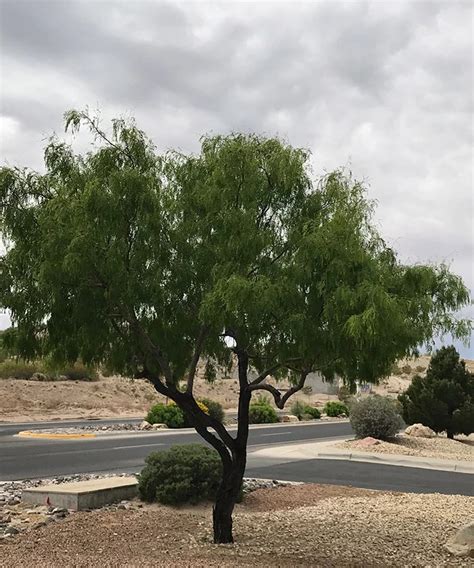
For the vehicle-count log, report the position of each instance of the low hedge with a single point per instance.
(304, 411)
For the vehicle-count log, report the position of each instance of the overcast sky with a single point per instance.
(384, 87)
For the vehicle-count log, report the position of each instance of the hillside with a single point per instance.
(22, 401)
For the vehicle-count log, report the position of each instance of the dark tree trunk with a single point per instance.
(227, 496)
(450, 435)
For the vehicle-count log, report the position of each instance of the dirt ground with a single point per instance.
(23, 401)
(309, 525)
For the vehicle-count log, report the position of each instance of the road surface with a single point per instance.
(22, 458)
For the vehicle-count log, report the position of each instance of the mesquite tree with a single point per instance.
(148, 263)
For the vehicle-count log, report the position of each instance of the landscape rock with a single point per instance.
(289, 418)
(420, 431)
(145, 425)
(158, 426)
(368, 441)
(462, 543)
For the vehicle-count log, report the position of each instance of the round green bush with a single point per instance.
(334, 408)
(262, 412)
(215, 409)
(312, 411)
(168, 414)
(377, 417)
(182, 474)
(304, 411)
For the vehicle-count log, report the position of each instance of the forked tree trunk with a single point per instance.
(227, 496)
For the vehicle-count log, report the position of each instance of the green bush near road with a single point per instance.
(183, 474)
(168, 414)
(375, 416)
(215, 409)
(262, 412)
(334, 408)
(302, 410)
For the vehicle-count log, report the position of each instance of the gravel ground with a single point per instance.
(305, 525)
(439, 447)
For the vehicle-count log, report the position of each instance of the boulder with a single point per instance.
(158, 426)
(289, 418)
(368, 441)
(145, 425)
(420, 431)
(462, 543)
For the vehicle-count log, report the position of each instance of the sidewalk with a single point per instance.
(323, 450)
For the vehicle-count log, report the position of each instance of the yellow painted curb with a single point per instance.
(29, 434)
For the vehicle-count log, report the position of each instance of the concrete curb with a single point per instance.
(402, 461)
(53, 436)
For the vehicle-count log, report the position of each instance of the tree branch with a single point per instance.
(281, 400)
(194, 361)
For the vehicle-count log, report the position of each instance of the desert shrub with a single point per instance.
(78, 372)
(10, 369)
(420, 368)
(406, 369)
(335, 408)
(396, 370)
(41, 371)
(182, 474)
(168, 414)
(262, 412)
(304, 411)
(444, 398)
(375, 416)
(214, 409)
(344, 393)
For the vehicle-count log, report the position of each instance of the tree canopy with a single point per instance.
(147, 262)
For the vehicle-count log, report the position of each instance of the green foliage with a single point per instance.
(345, 392)
(444, 398)
(375, 416)
(334, 408)
(214, 409)
(182, 474)
(262, 412)
(236, 237)
(302, 410)
(10, 369)
(168, 414)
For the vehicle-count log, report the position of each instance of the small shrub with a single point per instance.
(313, 412)
(304, 411)
(377, 417)
(11, 369)
(182, 474)
(406, 369)
(344, 393)
(334, 408)
(168, 414)
(262, 412)
(78, 372)
(215, 409)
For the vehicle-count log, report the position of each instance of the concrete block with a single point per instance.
(81, 495)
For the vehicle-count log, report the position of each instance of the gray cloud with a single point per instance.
(384, 87)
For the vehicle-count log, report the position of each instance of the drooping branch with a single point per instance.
(264, 374)
(194, 361)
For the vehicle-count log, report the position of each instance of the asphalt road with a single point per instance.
(22, 458)
(30, 458)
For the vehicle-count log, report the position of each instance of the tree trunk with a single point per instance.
(227, 496)
(450, 435)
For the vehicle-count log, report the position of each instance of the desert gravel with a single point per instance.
(440, 447)
(305, 525)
